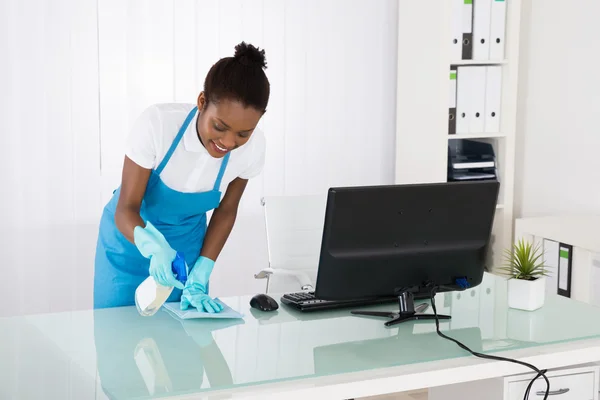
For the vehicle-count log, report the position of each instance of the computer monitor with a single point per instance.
(404, 240)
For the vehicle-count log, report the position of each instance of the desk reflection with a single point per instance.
(400, 349)
(143, 357)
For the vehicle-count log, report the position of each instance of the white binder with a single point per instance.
(452, 97)
(457, 30)
(497, 29)
(493, 98)
(477, 102)
(551, 264)
(487, 304)
(565, 260)
(463, 98)
(452, 103)
(467, 16)
(467, 27)
(481, 29)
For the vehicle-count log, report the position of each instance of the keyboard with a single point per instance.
(306, 301)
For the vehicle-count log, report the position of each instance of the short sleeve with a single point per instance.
(144, 137)
(257, 157)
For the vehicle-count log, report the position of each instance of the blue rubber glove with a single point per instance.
(153, 245)
(195, 293)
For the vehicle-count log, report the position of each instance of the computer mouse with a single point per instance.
(264, 302)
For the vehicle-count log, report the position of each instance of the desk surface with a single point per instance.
(118, 354)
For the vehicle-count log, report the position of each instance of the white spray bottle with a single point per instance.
(150, 296)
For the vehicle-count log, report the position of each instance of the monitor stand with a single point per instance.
(406, 301)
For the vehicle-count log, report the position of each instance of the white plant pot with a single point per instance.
(526, 295)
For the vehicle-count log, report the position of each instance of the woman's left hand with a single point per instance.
(195, 293)
(201, 301)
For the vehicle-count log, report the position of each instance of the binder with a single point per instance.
(463, 98)
(467, 28)
(465, 309)
(493, 98)
(551, 258)
(457, 30)
(497, 28)
(487, 304)
(481, 29)
(477, 101)
(565, 262)
(452, 102)
(595, 279)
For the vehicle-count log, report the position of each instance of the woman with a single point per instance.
(179, 160)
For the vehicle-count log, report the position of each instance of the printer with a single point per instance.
(471, 160)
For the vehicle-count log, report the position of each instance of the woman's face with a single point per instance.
(225, 126)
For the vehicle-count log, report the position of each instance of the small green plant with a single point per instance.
(524, 261)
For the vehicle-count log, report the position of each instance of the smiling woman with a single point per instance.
(180, 158)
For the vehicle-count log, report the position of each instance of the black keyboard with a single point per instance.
(306, 301)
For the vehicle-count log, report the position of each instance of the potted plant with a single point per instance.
(527, 276)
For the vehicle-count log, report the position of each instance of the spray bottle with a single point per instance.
(150, 296)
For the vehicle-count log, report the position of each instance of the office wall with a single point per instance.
(49, 153)
(558, 168)
(79, 72)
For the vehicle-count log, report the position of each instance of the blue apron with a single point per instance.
(179, 216)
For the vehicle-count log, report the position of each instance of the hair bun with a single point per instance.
(249, 55)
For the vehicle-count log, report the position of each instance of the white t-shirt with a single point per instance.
(191, 168)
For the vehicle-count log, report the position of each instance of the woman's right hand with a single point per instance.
(153, 245)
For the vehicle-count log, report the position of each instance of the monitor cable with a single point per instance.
(541, 373)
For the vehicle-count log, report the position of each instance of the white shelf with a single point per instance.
(476, 135)
(479, 62)
(579, 230)
(423, 86)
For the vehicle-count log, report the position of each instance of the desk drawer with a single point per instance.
(574, 386)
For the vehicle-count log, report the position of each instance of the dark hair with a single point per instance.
(239, 78)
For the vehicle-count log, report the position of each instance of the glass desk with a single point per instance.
(117, 354)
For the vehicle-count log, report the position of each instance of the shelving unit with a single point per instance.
(478, 62)
(476, 135)
(424, 61)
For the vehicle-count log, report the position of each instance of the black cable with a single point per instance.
(489, 357)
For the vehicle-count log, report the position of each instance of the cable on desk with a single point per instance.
(541, 373)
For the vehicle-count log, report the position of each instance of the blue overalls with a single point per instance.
(179, 216)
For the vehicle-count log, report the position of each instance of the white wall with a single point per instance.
(49, 153)
(332, 77)
(79, 72)
(558, 168)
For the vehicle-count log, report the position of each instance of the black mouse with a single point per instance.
(264, 302)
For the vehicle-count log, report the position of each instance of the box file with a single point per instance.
(565, 262)
(476, 107)
(497, 29)
(493, 98)
(551, 265)
(476, 94)
(595, 279)
(558, 261)
(456, 48)
(478, 29)
(452, 102)
(467, 27)
(481, 29)
(463, 98)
